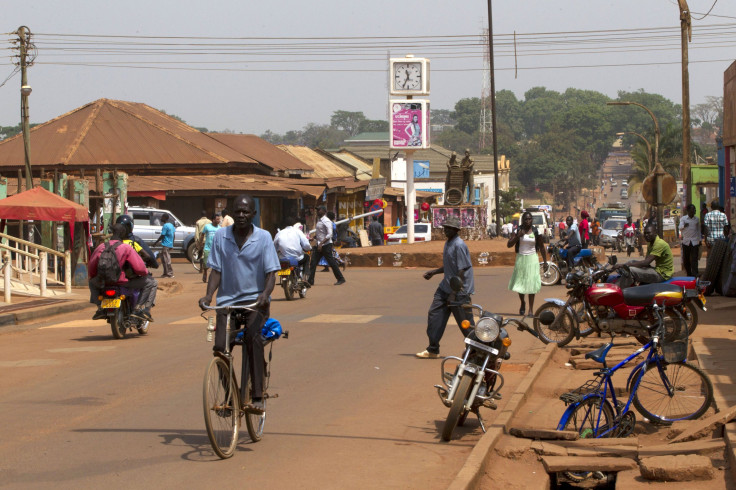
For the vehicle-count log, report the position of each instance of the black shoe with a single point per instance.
(147, 314)
(522, 308)
(139, 314)
(341, 281)
(99, 314)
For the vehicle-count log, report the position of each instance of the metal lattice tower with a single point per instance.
(486, 119)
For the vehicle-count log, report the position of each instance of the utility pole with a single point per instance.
(24, 38)
(686, 34)
(493, 119)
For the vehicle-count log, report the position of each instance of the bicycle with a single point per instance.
(663, 388)
(224, 403)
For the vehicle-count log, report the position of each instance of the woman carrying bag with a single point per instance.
(526, 278)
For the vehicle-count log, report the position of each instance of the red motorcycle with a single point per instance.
(606, 308)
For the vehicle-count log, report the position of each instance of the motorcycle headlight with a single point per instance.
(487, 329)
(569, 277)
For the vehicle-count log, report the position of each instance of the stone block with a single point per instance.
(677, 468)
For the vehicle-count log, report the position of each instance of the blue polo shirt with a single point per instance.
(243, 271)
(456, 257)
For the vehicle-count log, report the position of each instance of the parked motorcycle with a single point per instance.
(605, 308)
(694, 299)
(475, 381)
(118, 303)
(291, 278)
(557, 260)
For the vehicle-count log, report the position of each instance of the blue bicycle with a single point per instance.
(664, 388)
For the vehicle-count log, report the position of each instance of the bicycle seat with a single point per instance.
(644, 295)
(599, 355)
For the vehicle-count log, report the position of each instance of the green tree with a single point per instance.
(322, 136)
(10, 131)
(509, 203)
(347, 121)
(373, 126)
(467, 115)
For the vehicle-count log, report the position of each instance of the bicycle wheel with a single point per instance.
(196, 258)
(221, 408)
(559, 332)
(458, 406)
(589, 419)
(671, 392)
(253, 421)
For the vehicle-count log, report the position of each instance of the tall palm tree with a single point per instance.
(670, 153)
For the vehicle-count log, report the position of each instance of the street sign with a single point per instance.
(649, 189)
(375, 189)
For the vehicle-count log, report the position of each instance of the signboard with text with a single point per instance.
(409, 125)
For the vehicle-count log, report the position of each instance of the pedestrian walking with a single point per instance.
(167, 243)
(584, 228)
(595, 231)
(227, 220)
(208, 238)
(198, 240)
(526, 279)
(691, 238)
(455, 262)
(324, 248)
(375, 231)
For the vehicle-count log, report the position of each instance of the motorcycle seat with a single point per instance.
(586, 252)
(599, 355)
(644, 295)
(688, 282)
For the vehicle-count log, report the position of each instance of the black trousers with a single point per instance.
(252, 345)
(571, 253)
(326, 252)
(439, 314)
(690, 258)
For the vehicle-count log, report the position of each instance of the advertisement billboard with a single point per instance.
(409, 124)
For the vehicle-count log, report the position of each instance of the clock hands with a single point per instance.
(406, 80)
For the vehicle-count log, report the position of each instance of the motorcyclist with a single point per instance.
(291, 243)
(629, 233)
(642, 271)
(137, 243)
(133, 275)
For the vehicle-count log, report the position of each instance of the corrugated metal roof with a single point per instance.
(263, 152)
(322, 166)
(437, 156)
(207, 183)
(119, 133)
(363, 170)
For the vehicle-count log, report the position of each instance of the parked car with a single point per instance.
(147, 225)
(624, 194)
(609, 233)
(422, 233)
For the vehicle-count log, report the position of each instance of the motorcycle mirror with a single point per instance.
(456, 284)
(547, 317)
(612, 260)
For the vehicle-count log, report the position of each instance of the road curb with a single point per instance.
(10, 319)
(472, 471)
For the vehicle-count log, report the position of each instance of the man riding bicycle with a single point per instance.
(244, 264)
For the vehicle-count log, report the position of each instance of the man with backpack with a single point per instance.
(116, 263)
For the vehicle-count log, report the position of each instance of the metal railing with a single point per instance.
(33, 264)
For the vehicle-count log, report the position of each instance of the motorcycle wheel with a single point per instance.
(142, 329)
(560, 333)
(458, 406)
(287, 285)
(584, 325)
(117, 321)
(551, 276)
(691, 317)
(673, 321)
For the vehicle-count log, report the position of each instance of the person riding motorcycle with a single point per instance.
(291, 243)
(133, 275)
(137, 243)
(642, 271)
(572, 241)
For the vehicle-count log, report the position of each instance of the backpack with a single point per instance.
(108, 267)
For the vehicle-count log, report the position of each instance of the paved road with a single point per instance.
(81, 410)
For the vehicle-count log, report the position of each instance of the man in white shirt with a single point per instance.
(691, 237)
(323, 237)
(291, 243)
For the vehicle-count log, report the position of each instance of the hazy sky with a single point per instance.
(231, 82)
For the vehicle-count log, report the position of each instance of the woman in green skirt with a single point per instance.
(526, 278)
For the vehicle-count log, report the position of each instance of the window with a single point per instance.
(141, 219)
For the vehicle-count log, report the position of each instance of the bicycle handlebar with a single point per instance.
(232, 307)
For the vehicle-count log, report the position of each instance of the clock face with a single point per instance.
(407, 76)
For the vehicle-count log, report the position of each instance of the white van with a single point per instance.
(540, 222)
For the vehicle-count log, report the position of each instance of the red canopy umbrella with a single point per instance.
(38, 204)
